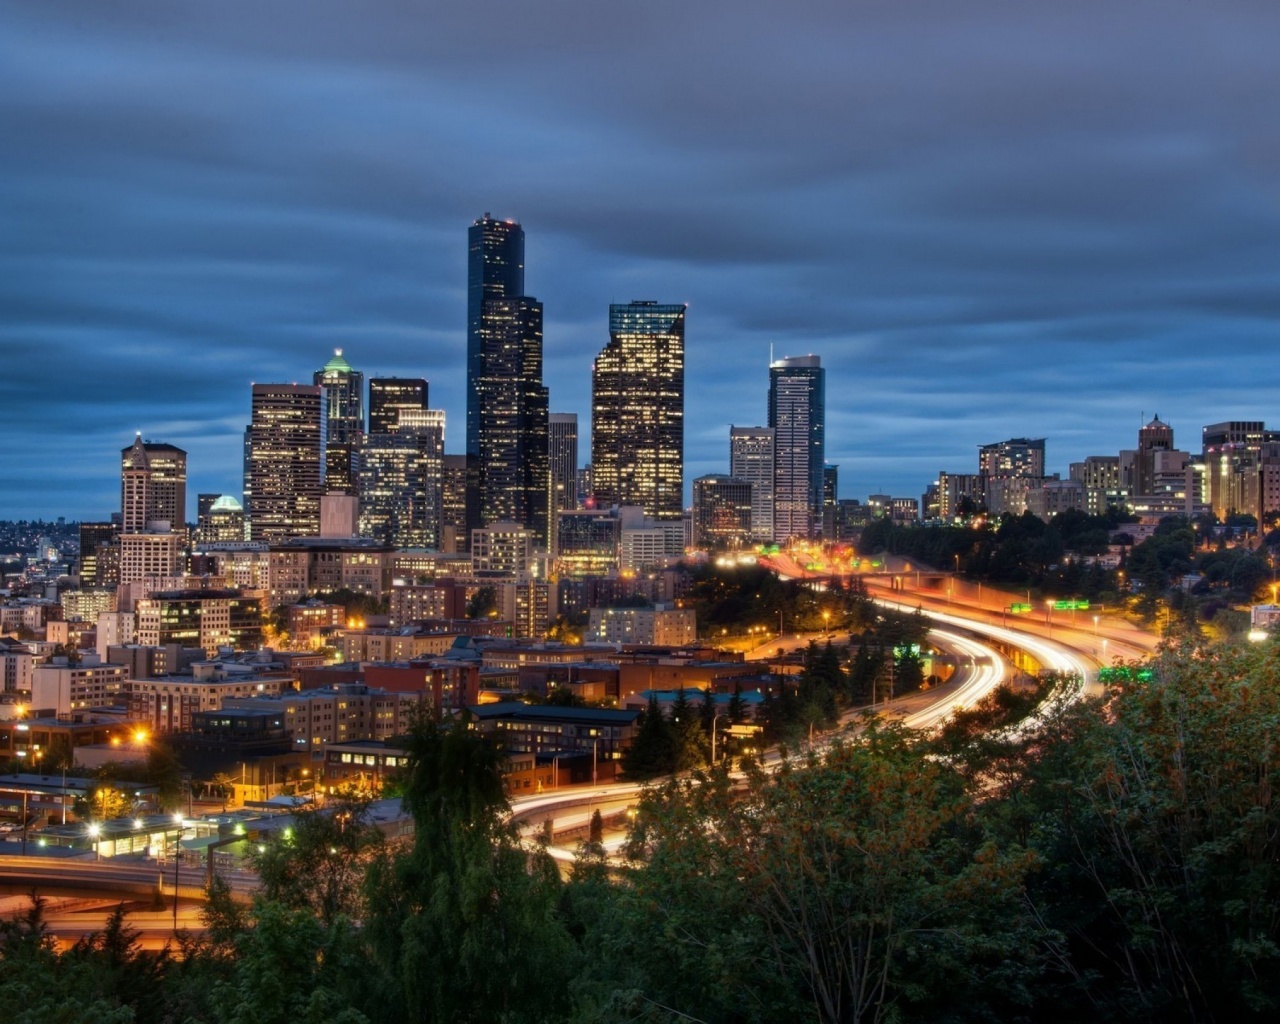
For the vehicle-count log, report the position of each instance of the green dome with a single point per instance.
(337, 364)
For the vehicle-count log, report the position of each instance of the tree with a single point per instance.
(465, 924)
(650, 750)
(483, 603)
(318, 864)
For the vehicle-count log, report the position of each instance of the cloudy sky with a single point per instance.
(990, 219)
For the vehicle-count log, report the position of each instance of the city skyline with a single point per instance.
(1049, 239)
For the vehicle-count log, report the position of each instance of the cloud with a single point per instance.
(990, 220)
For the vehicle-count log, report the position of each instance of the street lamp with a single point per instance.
(826, 622)
(95, 833)
(1048, 616)
(714, 718)
(177, 859)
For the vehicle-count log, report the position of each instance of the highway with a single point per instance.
(981, 670)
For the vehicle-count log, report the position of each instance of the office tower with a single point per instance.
(1019, 456)
(1241, 467)
(343, 421)
(587, 542)
(637, 410)
(501, 547)
(153, 485)
(283, 455)
(401, 480)
(99, 556)
(562, 437)
(508, 478)
(722, 509)
(222, 521)
(751, 458)
(204, 502)
(388, 395)
(585, 489)
(797, 413)
(830, 489)
(453, 505)
(1099, 475)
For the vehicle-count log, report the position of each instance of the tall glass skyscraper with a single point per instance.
(797, 414)
(508, 474)
(283, 454)
(563, 442)
(637, 410)
(343, 421)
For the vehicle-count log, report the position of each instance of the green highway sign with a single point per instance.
(1019, 609)
(1070, 606)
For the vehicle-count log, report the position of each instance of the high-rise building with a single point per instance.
(637, 410)
(509, 479)
(388, 395)
(153, 485)
(222, 521)
(401, 480)
(1019, 456)
(343, 421)
(721, 512)
(99, 555)
(830, 495)
(1241, 467)
(797, 414)
(751, 458)
(282, 462)
(562, 439)
(453, 505)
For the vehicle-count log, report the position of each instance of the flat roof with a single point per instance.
(552, 712)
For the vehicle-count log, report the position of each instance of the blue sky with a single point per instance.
(989, 219)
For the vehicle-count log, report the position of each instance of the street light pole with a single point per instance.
(714, 719)
(177, 860)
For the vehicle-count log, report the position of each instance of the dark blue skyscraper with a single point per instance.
(797, 413)
(507, 458)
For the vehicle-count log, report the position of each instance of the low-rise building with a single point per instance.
(61, 689)
(167, 703)
(314, 719)
(662, 625)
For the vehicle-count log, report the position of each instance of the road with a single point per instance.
(981, 671)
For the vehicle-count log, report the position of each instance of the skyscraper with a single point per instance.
(721, 511)
(637, 410)
(400, 481)
(797, 413)
(508, 479)
(343, 421)
(282, 462)
(388, 395)
(562, 439)
(153, 485)
(751, 458)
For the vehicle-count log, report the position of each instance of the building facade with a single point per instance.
(388, 395)
(722, 512)
(283, 458)
(509, 478)
(797, 414)
(343, 402)
(562, 439)
(153, 485)
(401, 479)
(751, 458)
(637, 410)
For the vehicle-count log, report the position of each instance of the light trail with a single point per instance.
(988, 673)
